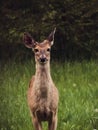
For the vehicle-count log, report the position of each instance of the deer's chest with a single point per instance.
(42, 88)
(42, 93)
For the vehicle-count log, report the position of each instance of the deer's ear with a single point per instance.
(51, 37)
(29, 42)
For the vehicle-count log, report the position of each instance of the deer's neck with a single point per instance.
(43, 72)
(43, 81)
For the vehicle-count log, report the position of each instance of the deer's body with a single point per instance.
(42, 93)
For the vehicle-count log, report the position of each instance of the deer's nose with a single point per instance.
(43, 59)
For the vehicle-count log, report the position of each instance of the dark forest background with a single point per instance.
(76, 22)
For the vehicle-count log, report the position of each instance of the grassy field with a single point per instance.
(78, 88)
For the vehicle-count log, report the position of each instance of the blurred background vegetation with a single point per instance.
(76, 22)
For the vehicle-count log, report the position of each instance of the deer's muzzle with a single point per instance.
(43, 60)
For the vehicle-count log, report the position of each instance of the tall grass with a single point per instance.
(78, 89)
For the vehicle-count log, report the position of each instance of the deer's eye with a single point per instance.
(48, 49)
(36, 50)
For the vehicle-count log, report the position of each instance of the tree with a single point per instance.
(76, 22)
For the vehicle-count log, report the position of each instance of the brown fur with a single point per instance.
(42, 94)
(43, 98)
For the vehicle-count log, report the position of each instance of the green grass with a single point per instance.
(78, 89)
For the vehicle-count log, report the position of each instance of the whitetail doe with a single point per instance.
(42, 94)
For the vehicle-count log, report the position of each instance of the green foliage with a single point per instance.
(76, 22)
(78, 90)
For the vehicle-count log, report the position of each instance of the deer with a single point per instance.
(42, 94)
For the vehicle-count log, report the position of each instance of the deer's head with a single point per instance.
(42, 49)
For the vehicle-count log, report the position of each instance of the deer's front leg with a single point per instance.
(52, 124)
(36, 123)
